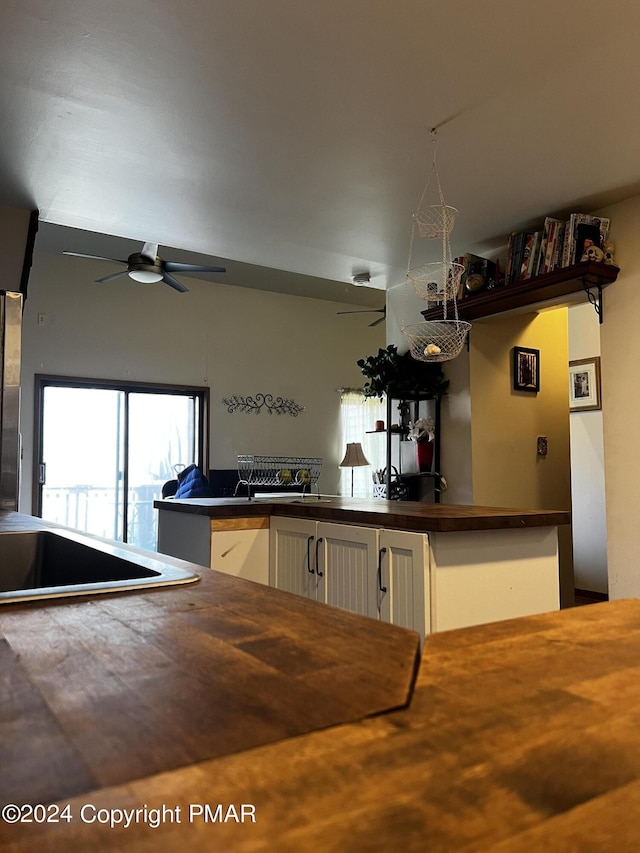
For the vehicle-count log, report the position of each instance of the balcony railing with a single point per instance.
(100, 510)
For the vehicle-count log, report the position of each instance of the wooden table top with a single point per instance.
(520, 736)
(399, 515)
(99, 690)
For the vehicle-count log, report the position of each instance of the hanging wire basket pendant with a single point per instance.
(436, 340)
(435, 220)
(436, 282)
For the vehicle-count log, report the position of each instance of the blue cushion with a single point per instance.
(192, 484)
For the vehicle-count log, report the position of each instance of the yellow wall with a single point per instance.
(505, 424)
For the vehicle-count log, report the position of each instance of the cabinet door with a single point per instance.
(242, 550)
(347, 567)
(292, 556)
(403, 588)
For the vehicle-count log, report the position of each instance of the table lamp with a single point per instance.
(354, 458)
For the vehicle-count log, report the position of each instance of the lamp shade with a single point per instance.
(354, 457)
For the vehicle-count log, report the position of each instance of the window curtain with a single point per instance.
(358, 419)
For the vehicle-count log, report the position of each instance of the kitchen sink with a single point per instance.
(54, 564)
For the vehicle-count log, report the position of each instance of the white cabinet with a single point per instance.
(236, 546)
(292, 557)
(241, 548)
(347, 567)
(425, 582)
(402, 581)
(331, 563)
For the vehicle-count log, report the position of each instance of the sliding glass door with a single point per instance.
(104, 451)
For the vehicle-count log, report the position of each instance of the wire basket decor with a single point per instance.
(301, 471)
(436, 282)
(435, 220)
(436, 340)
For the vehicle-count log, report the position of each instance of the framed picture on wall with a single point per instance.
(584, 385)
(526, 369)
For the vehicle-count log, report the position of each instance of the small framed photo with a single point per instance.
(526, 369)
(584, 385)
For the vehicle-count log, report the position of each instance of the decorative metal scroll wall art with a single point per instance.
(436, 282)
(277, 406)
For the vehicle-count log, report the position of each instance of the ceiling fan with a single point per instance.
(382, 311)
(147, 266)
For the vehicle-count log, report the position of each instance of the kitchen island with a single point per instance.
(422, 566)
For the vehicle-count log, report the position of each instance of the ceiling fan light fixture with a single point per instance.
(145, 276)
(148, 267)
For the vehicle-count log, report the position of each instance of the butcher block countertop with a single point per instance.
(101, 690)
(520, 736)
(398, 515)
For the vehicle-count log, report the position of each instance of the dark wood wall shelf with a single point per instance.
(553, 288)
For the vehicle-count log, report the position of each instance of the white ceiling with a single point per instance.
(294, 135)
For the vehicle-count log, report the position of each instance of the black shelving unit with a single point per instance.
(412, 480)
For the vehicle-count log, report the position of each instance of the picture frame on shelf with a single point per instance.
(526, 369)
(585, 385)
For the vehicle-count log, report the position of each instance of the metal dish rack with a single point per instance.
(301, 471)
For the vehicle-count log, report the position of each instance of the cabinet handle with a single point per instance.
(309, 541)
(320, 574)
(381, 554)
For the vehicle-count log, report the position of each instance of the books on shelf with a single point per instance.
(583, 231)
(531, 255)
(519, 239)
(557, 243)
(551, 231)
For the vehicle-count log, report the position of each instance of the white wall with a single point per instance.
(455, 446)
(587, 466)
(620, 357)
(234, 340)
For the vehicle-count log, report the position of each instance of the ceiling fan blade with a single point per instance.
(95, 257)
(363, 311)
(173, 282)
(377, 322)
(111, 277)
(150, 252)
(170, 266)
